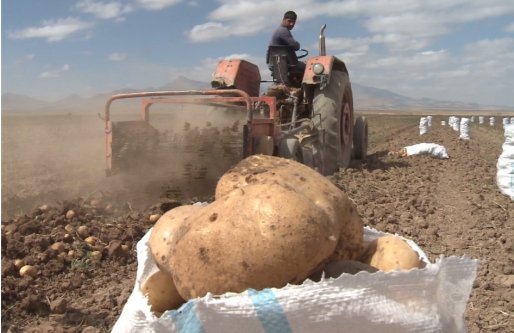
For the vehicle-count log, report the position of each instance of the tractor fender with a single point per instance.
(239, 74)
(329, 63)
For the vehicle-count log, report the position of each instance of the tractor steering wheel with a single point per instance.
(302, 55)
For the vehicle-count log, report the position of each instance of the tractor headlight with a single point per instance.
(318, 68)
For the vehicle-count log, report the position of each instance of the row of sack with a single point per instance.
(505, 163)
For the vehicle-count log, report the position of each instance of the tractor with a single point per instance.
(307, 117)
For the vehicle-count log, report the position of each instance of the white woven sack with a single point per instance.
(432, 299)
(464, 129)
(454, 123)
(505, 163)
(423, 126)
(427, 148)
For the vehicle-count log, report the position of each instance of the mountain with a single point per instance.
(12, 102)
(365, 98)
(183, 83)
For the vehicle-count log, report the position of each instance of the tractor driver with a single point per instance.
(283, 36)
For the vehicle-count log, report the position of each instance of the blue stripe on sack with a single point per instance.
(186, 320)
(269, 311)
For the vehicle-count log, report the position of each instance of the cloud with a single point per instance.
(485, 49)
(25, 58)
(241, 11)
(215, 30)
(491, 60)
(398, 25)
(356, 45)
(207, 32)
(243, 18)
(52, 30)
(414, 25)
(104, 10)
(54, 73)
(406, 26)
(510, 28)
(117, 56)
(481, 71)
(156, 4)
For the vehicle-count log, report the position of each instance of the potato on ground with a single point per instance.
(161, 292)
(259, 236)
(264, 169)
(388, 253)
(163, 230)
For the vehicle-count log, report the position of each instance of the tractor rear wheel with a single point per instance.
(360, 138)
(345, 155)
(333, 115)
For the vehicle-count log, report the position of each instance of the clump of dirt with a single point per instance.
(448, 207)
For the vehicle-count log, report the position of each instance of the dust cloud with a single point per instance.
(47, 158)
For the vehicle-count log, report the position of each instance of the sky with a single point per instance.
(452, 50)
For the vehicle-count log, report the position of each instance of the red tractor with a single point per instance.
(308, 118)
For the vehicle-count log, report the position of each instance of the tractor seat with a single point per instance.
(282, 61)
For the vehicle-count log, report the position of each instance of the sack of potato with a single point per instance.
(273, 221)
(271, 249)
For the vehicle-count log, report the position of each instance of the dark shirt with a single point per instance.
(283, 36)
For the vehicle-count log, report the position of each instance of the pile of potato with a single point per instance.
(273, 222)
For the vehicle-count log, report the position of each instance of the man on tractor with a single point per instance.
(282, 39)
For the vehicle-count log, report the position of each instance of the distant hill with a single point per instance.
(365, 98)
(13, 102)
(183, 83)
(374, 98)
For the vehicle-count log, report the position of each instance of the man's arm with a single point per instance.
(284, 37)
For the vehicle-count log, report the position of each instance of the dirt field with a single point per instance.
(449, 207)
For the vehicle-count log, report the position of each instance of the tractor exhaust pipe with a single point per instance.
(322, 50)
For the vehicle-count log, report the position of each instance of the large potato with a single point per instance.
(388, 253)
(163, 230)
(258, 236)
(161, 292)
(264, 169)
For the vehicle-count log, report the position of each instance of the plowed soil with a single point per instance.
(52, 165)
